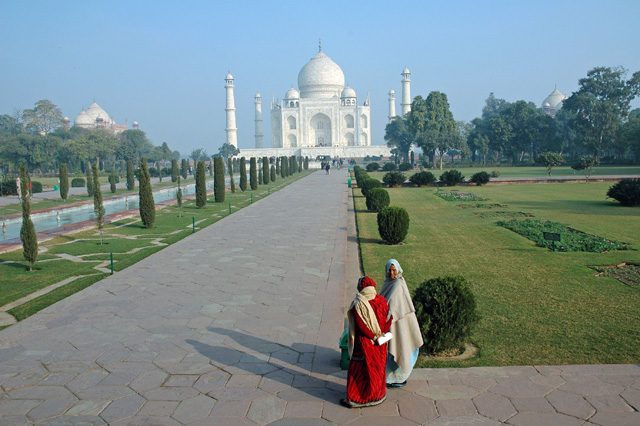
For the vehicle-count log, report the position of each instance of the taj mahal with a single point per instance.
(323, 117)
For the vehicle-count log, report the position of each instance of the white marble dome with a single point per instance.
(320, 78)
(554, 100)
(348, 92)
(292, 94)
(83, 119)
(96, 111)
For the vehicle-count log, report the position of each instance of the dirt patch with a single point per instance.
(470, 351)
(626, 272)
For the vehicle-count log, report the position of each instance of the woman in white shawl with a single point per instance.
(407, 339)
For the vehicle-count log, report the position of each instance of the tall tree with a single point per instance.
(201, 185)
(98, 206)
(265, 170)
(232, 184)
(179, 196)
(175, 170)
(43, 118)
(113, 180)
(218, 179)
(397, 135)
(243, 174)
(228, 150)
(64, 182)
(601, 105)
(253, 174)
(199, 154)
(131, 183)
(28, 234)
(147, 203)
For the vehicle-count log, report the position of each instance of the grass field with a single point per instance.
(537, 306)
(78, 254)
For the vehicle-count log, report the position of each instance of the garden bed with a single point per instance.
(626, 273)
(459, 196)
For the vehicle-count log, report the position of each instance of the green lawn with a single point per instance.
(537, 306)
(127, 239)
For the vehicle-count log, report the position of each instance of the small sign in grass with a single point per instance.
(459, 196)
(571, 239)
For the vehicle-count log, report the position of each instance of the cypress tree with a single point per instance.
(283, 166)
(28, 230)
(184, 168)
(260, 173)
(201, 185)
(113, 179)
(306, 163)
(273, 173)
(98, 207)
(131, 178)
(179, 195)
(253, 176)
(265, 168)
(175, 171)
(243, 174)
(232, 184)
(218, 179)
(211, 168)
(278, 165)
(299, 164)
(64, 182)
(89, 180)
(147, 203)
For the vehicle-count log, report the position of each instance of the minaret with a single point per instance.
(406, 91)
(232, 131)
(392, 104)
(258, 100)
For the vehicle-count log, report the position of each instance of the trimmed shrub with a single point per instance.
(201, 185)
(361, 177)
(113, 179)
(77, 182)
(394, 179)
(422, 178)
(273, 173)
(480, 178)
(446, 311)
(389, 167)
(27, 230)
(98, 206)
(10, 187)
(403, 167)
(253, 174)
(243, 174)
(369, 184)
(306, 163)
(131, 178)
(185, 168)
(627, 192)
(495, 174)
(36, 187)
(451, 177)
(377, 199)
(175, 170)
(147, 203)
(89, 180)
(218, 179)
(265, 171)
(373, 167)
(393, 224)
(232, 184)
(64, 181)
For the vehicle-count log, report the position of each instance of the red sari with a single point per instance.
(366, 377)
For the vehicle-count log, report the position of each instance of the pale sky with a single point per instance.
(163, 63)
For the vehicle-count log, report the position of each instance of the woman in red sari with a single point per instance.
(367, 366)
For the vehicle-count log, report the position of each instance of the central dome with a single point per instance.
(320, 78)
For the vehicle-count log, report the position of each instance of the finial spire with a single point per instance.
(319, 45)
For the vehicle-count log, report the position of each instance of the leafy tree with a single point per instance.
(175, 170)
(585, 164)
(185, 168)
(131, 182)
(218, 180)
(199, 154)
(98, 207)
(28, 234)
(550, 160)
(432, 124)
(228, 150)
(90, 188)
(64, 182)
(232, 184)
(43, 118)
(397, 135)
(265, 168)
(133, 145)
(253, 174)
(243, 174)
(147, 203)
(601, 104)
(201, 185)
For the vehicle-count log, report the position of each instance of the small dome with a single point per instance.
(392, 92)
(135, 123)
(66, 119)
(229, 77)
(292, 94)
(546, 105)
(83, 119)
(99, 119)
(406, 71)
(258, 95)
(348, 92)
(320, 78)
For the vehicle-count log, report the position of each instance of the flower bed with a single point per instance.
(459, 196)
(571, 239)
(627, 273)
(482, 206)
(504, 213)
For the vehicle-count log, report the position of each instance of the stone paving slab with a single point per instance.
(238, 324)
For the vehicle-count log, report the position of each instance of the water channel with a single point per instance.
(60, 217)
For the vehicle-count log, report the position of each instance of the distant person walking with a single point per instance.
(328, 167)
(367, 322)
(407, 339)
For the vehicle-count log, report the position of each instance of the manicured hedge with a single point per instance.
(377, 199)
(393, 224)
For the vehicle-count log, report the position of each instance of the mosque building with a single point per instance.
(552, 103)
(97, 118)
(322, 117)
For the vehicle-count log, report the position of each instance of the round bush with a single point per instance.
(422, 178)
(403, 167)
(368, 185)
(77, 182)
(361, 177)
(495, 173)
(451, 177)
(480, 178)
(373, 167)
(446, 311)
(393, 224)
(377, 199)
(36, 187)
(627, 192)
(9, 187)
(394, 179)
(388, 167)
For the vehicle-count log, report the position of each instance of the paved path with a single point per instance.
(238, 325)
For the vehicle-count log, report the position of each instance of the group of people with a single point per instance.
(384, 338)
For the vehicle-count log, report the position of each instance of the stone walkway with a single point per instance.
(238, 324)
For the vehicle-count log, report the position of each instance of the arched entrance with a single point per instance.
(320, 130)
